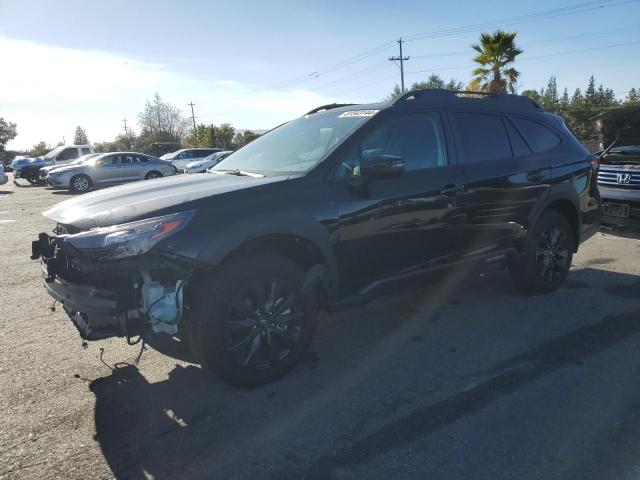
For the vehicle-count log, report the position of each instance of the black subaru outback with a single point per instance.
(322, 212)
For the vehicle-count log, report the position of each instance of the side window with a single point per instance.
(142, 159)
(519, 146)
(68, 154)
(539, 137)
(185, 155)
(417, 138)
(129, 159)
(106, 161)
(482, 136)
(86, 151)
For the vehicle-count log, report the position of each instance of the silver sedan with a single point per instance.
(109, 169)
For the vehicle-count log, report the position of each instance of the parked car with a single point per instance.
(325, 211)
(3, 176)
(44, 171)
(109, 169)
(180, 158)
(201, 166)
(619, 175)
(62, 155)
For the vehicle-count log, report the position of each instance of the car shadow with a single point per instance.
(193, 425)
(6, 192)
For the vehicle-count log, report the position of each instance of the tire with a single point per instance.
(547, 255)
(152, 174)
(80, 183)
(251, 321)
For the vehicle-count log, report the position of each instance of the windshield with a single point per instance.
(53, 153)
(296, 146)
(169, 156)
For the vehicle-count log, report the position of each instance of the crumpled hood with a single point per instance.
(136, 200)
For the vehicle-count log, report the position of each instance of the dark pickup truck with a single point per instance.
(324, 211)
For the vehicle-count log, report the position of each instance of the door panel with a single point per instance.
(390, 226)
(108, 170)
(501, 187)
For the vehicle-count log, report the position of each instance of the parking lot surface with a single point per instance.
(460, 378)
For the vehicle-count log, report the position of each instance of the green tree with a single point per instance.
(434, 81)
(8, 131)
(454, 85)
(242, 138)
(550, 98)
(224, 135)
(39, 149)
(533, 95)
(565, 101)
(395, 93)
(632, 98)
(80, 138)
(496, 52)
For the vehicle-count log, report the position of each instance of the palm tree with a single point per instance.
(495, 52)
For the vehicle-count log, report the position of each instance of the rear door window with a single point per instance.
(539, 137)
(482, 137)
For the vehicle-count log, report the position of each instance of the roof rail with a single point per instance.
(432, 93)
(328, 107)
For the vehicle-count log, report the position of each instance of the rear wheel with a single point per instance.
(252, 322)
(547, 255)
(80, 183)
(152, 174)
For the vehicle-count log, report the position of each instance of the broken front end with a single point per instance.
(111, 281)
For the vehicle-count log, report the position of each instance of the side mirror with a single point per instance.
(381, 166)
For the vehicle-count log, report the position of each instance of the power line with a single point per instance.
(534, 16)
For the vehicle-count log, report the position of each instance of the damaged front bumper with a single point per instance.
(120, 299)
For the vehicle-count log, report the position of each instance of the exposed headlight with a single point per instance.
(129, 239)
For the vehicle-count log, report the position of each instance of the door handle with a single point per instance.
(536, 176)
(451, 190)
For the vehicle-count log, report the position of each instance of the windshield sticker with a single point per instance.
(359, 113)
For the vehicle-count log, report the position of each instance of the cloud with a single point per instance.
(48, 91)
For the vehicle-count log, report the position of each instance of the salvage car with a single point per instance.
(619, 176)
(109, 169)
(201, 166)
(325, 211)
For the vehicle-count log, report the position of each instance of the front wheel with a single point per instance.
(80, 183)
(253, 322)
(547, 255)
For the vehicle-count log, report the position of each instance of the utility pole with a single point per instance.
(193, 117)
(126, 132)
(401, 59)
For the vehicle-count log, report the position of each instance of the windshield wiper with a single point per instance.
(239, 173)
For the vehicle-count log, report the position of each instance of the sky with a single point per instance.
(257, 64)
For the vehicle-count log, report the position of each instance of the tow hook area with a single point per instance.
(162, 305)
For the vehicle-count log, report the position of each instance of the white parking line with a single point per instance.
(6, 221)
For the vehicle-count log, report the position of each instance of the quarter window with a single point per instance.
(482, 137)
(519, 146)
(539, 137)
